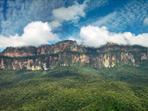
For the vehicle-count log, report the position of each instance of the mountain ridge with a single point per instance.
(69, 53)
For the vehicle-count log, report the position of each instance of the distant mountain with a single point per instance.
(69, 53)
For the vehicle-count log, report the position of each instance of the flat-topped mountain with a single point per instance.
(66, 45)
(69, 53)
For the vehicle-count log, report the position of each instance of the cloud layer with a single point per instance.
(35, 33)
(97, 36)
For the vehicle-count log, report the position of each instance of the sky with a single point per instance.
(91, 22)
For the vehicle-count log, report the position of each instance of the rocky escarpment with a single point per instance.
(69, 53)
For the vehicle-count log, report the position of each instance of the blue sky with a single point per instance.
(118, 16)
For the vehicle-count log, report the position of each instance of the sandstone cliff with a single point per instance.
(69, 53)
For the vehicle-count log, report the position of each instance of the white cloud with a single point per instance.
(70, 13)
(35, 34)
(145, 21)
(96, 36)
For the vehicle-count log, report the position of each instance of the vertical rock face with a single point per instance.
(2, 64)
(69, 53)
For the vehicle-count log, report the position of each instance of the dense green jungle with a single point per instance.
(77, 88)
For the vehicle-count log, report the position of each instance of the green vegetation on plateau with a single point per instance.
(122, 88)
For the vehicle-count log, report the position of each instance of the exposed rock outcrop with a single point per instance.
(69, 53)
